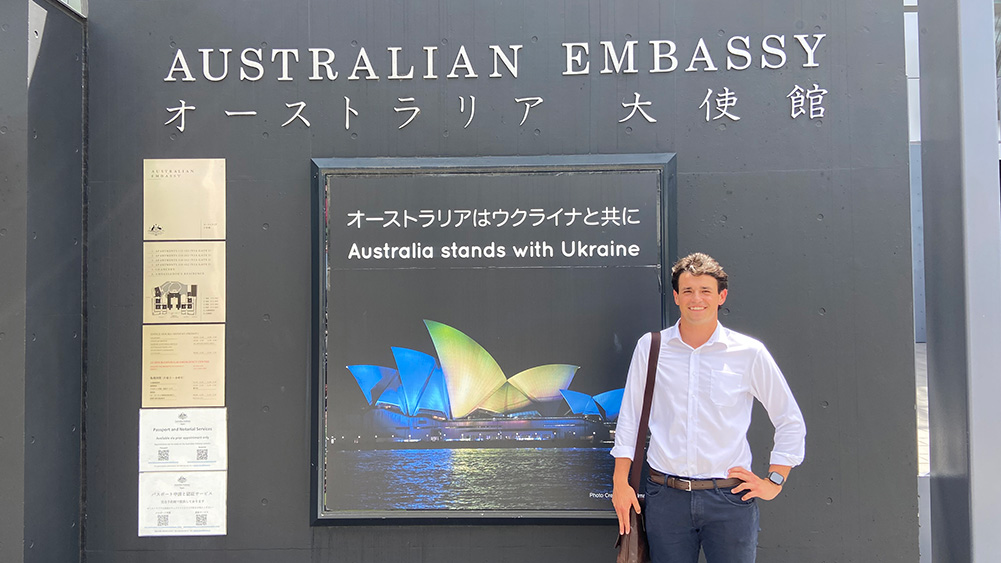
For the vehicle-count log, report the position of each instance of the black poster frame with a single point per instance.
(664, 164)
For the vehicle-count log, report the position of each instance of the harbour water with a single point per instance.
(520, 479)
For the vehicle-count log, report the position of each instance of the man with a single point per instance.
(701, 492)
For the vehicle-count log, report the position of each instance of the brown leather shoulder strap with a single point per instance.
(651, 375)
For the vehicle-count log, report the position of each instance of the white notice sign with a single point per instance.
(184, 365)
(184, 199)
(182, 439)
(184, 282)
(182, 504)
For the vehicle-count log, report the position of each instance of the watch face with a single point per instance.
(776, 477)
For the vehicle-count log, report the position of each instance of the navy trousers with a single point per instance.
(679, 522)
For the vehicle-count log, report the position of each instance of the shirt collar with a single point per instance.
(721, 334)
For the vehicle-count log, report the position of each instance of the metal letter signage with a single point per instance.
(322, 65)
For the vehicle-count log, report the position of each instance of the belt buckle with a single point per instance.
(687, 482)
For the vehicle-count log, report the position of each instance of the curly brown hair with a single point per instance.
(699, 264)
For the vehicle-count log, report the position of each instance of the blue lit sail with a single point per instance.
(415, 368)
(580, 403)
(392, 397)
(435, 396)
(372, 380)
(611, 401)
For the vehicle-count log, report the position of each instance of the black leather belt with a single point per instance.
(692, 484)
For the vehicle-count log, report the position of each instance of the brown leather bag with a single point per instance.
(633, 547)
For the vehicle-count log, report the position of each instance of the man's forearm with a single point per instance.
(621, 474)
(782, 470)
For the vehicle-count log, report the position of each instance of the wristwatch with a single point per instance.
(777, 478)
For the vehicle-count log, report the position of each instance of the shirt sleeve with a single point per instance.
(632, 401)
(770, 387)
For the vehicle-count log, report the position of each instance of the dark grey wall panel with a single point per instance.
(762, 223)
(13, 255)
(810, 217)
(41, 185)
(54, 271)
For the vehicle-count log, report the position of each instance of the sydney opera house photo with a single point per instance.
(463, 398)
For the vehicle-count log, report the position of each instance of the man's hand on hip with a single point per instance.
(755, 486)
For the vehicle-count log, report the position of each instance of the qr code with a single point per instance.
(163, 519)
(202, 454)
(163, 455)
(201, 519)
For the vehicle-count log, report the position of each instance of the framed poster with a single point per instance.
(473, 323)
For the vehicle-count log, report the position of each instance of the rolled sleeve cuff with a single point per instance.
(623, 451)
(780, 458)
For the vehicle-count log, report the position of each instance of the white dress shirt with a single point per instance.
(702, 403)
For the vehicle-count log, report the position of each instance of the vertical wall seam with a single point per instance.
(84, 199)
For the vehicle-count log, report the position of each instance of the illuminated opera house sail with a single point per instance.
(462, 398)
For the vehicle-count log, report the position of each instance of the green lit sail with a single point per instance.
(543, 383)
(471, 374)
(505, 400)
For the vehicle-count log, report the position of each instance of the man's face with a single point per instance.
(699, 299)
